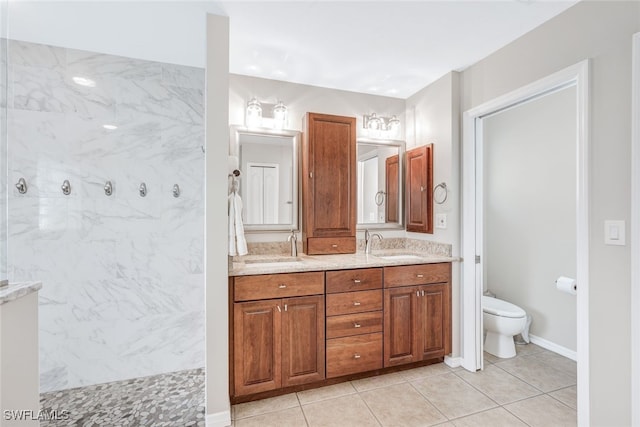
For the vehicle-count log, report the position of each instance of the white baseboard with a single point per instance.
(548, 345)
(218, 419)
(453, 362)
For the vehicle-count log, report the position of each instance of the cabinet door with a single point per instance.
(400, 323)
(303, 340)
(329, 181)
(256, 346)
(434, 321)
(419, 189)
(392, 186)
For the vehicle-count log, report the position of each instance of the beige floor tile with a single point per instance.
(498, 417)
(425, 371)
(378, 381)
(556, 361)
(568, 396)
(401, 405)
(537, 373)
(490, 358)
(524, 350)
(452, 396)
(339, 412)
(324, 393)
(264, 406)
(499, 385)
(292, 417)
(543, 411)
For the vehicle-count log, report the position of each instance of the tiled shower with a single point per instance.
(122, 274)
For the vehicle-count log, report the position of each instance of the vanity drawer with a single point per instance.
(331, 245)
(351, 355)
(421, 274)
(360, 279)
(268, 286)
(354, 324)
(353, 302)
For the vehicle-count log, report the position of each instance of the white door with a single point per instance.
(262, 190)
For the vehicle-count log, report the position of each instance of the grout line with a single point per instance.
(523, 421)
(302, 410)
(430, 402)
(369, 408)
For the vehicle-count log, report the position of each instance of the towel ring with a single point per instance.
(379, 197)
(442, 185)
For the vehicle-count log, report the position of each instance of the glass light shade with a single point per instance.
(254, 113)
(279, 115)
(374, 122)
(394, 124)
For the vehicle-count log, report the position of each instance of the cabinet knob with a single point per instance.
(334, 246)
(357, 281)
(356, 303)
(356, 325)
(421, 188)
(419, 276)
(356, 356)
(282, 286)
(279, 310)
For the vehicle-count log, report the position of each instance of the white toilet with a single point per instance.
(502, 320)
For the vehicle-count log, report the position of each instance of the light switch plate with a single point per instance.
(614, 233)
(441, 220)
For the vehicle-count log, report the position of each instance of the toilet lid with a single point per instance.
(498, 307)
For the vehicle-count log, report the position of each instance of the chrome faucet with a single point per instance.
(368, 238)
(294, 243)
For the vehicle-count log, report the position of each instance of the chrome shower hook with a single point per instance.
(66, 187)
(176, 190)
(143, 189)
(22, 186)
(108, 188)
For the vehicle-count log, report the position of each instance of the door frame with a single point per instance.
(635, 231)
(576, 75)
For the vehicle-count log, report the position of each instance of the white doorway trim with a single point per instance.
(578, 76)
(635, 232)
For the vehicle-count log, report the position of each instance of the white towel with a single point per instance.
(237, 242)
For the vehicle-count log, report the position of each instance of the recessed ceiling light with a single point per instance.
(110, 127)
(83, 81)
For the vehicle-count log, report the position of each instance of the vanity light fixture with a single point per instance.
(279, 115)
(83, 81)
(381, 126)
(254, 113)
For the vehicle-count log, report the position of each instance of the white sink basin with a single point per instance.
(405, 257)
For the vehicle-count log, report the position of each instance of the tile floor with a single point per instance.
(172, 400)
(535, 388)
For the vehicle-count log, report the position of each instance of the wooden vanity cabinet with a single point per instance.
(419, 189)
(417, 313)
(277, 342)
(392, 186)
(354, 321)
(329, 184)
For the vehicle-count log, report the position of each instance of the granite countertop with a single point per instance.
(249, 265)
(18, 290)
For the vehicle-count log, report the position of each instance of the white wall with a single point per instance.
(529, 165)
(601, 31)
(216, 220)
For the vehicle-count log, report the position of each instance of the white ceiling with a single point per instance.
(391, 48)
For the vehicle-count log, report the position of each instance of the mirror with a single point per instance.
(268, 183)
(380, 183)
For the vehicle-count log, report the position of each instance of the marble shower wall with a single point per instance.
(123, 282)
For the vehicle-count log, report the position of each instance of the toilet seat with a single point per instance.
(498, 307)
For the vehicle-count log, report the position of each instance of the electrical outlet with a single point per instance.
(441, 220)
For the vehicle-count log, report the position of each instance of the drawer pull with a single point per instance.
(422, 293)
(419, 276)
(282, 286)
(356, 325)
(356, 356)
(356, 303)
(279, 308)
(417, 293)
(285, 307)
(357, 281)
(334, 246)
